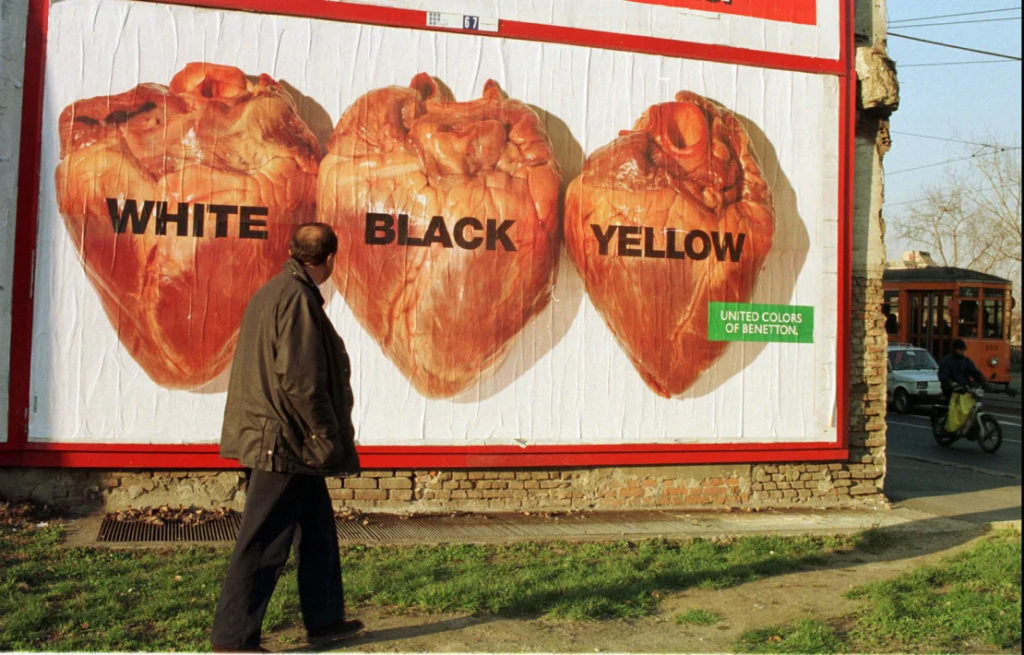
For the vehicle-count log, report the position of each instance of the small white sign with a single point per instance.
(462, 22)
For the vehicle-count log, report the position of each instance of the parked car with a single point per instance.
(913, 378)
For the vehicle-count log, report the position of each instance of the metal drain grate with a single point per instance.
(222, 529)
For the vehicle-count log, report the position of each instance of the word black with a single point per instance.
(248, 227)
(696, 244)
(380, 231)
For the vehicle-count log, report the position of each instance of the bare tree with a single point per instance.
(999, 210)
(970, 220)
(945, 223)
(971, 216)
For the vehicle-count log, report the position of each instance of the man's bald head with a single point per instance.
(313, 243)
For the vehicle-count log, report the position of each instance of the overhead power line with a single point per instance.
(941, 138)
(973, 190)
(909, 202)
(955, 47)
(957, 63)
(951, 161)
(960, 22)
(969, 13)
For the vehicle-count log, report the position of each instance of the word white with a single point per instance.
(248, 227)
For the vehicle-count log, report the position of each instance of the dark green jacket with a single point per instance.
(289, 406)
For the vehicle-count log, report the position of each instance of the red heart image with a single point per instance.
(663, 220)
(180, 202)
(447, 221)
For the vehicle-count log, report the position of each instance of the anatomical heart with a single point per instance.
(180, 202)
(664, 220)
(447, 218)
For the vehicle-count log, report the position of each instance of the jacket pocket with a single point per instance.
(274, 443)
(320, 452)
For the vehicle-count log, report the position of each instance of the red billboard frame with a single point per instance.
(19, 451)
(800, 12)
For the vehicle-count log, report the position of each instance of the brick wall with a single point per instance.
(86, 490)
(703, 487)
(550, 490)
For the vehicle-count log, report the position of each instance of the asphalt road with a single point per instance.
(960, 481)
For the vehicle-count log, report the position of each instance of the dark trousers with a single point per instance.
(280, 509)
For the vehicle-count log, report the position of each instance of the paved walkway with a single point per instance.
(375, 529)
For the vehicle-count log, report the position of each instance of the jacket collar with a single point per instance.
(298, 271)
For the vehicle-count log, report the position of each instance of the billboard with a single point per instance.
(544, 247)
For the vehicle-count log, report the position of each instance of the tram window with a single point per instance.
(968, 318)
(891, 311)
(993, 315)
(968, 292)
(946, 327)
(915, 315)
(995, 293)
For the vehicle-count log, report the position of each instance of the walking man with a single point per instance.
(288, 418)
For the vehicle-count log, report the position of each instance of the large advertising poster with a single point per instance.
(540, 244)
(808, 28)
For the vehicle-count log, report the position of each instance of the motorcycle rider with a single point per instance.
(957, 370)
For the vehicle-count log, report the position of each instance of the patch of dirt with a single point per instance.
(817, 593)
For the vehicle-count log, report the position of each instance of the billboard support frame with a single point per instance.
(19, 451)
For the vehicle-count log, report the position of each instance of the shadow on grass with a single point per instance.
(371, 636)
(624, 581)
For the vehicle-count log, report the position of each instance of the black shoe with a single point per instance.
(334, 632)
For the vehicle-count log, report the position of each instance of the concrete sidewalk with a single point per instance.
(610, 526)
(381, 529)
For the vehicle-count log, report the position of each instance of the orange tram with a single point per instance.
(929, 307)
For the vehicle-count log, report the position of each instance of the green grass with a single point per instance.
(697, 616)
(807, 636)
(570, 581)
(88, 599)
(968, 602)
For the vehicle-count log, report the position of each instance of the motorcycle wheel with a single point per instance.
(942, 437)
(991, 437)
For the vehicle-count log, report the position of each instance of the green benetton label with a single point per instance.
(738, 321)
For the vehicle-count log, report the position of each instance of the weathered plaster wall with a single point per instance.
(13, 14)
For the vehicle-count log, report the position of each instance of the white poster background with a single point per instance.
(567, 381)
(676, 23)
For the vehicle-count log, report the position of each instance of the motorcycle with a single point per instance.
(979, 426)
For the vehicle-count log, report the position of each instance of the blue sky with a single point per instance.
(971, 102)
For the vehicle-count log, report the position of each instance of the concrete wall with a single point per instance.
(13, 14)
(856, 482)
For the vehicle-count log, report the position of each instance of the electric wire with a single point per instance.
(955, 63)
(908, 202)
(951, 161)
(955, 47)
(969, 13)
(940, 138)
(962, 22)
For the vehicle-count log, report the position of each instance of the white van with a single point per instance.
(913, 377)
